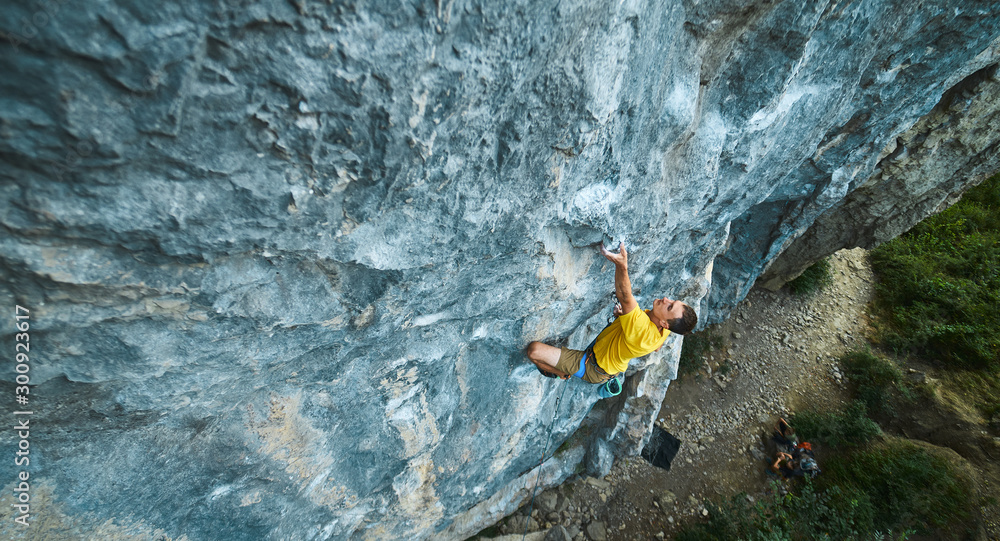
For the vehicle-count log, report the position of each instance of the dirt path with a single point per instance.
(778, 355)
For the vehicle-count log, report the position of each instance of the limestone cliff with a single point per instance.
(282, 258)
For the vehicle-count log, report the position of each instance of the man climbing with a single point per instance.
(633, 334)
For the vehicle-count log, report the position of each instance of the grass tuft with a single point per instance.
(850, 427)
(874, 379)
(813, 279)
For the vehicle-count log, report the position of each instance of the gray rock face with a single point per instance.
(922, 172)
(282, 258)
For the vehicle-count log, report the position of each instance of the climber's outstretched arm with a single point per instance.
(623, 286)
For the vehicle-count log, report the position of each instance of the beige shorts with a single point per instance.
(569, 362)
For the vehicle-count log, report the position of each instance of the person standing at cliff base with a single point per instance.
(633, 334)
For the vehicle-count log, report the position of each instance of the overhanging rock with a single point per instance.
(282, 259)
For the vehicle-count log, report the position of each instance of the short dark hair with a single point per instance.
(685, 323)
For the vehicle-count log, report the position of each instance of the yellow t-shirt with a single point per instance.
(631, 335)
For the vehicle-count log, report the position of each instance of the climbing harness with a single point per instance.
(612, 385)
(589, 357)
(540, 462)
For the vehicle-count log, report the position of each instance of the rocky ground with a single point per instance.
(778, 354)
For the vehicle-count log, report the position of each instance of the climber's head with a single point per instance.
(680, 317)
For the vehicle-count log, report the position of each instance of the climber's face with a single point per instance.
(668, 310)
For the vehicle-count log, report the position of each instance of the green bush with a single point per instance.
(939, 284)
(873, 377)
(891, 487)
(908, 488)
(736, 518)
(806, 514)
(813, 279)
(850, 427)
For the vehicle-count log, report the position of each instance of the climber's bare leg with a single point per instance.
(545, 358)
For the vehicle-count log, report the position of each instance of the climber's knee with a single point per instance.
(543, 353)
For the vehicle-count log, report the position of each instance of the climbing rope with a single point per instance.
(531, 506)
(540, 462)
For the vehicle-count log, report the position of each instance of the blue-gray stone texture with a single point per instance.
(282, 258)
